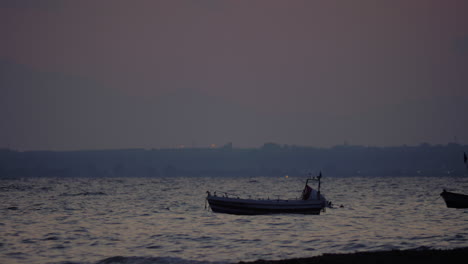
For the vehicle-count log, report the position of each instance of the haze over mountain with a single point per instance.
(270, 160)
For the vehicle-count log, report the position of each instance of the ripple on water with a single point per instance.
(133, 218)
(28, 241)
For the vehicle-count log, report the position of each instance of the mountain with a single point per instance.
(269, 160)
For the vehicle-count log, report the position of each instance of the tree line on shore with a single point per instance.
(269, 160)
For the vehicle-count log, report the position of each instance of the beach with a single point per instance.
(426, 256)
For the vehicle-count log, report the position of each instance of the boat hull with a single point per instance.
(455, 200)
(262, 207)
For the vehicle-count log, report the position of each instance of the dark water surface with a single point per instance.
(85, 220)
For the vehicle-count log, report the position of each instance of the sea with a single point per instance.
(167, 220)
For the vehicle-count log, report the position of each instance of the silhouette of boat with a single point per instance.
(311, 202)
(455, 200)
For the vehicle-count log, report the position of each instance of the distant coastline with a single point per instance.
(269, 160)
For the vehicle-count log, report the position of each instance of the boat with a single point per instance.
(456, 200)
(311, 202)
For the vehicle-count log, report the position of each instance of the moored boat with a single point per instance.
(455, 200)
(311, 202)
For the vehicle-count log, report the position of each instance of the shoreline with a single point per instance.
(426, 256)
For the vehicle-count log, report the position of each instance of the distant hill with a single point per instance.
(269, 160)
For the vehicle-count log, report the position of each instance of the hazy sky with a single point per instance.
(124, 74)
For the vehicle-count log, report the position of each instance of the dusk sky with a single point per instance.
(155, 74)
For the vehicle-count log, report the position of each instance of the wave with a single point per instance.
(83, 194)
(16, 187)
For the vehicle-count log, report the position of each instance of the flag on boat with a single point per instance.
(306, 192)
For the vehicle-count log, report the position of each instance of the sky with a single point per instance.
(115, 74)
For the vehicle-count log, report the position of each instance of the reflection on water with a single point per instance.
(86, 220)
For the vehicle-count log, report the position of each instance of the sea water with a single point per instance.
(165, 220)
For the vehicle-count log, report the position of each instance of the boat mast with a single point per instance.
(319, 177)
(465, 160)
